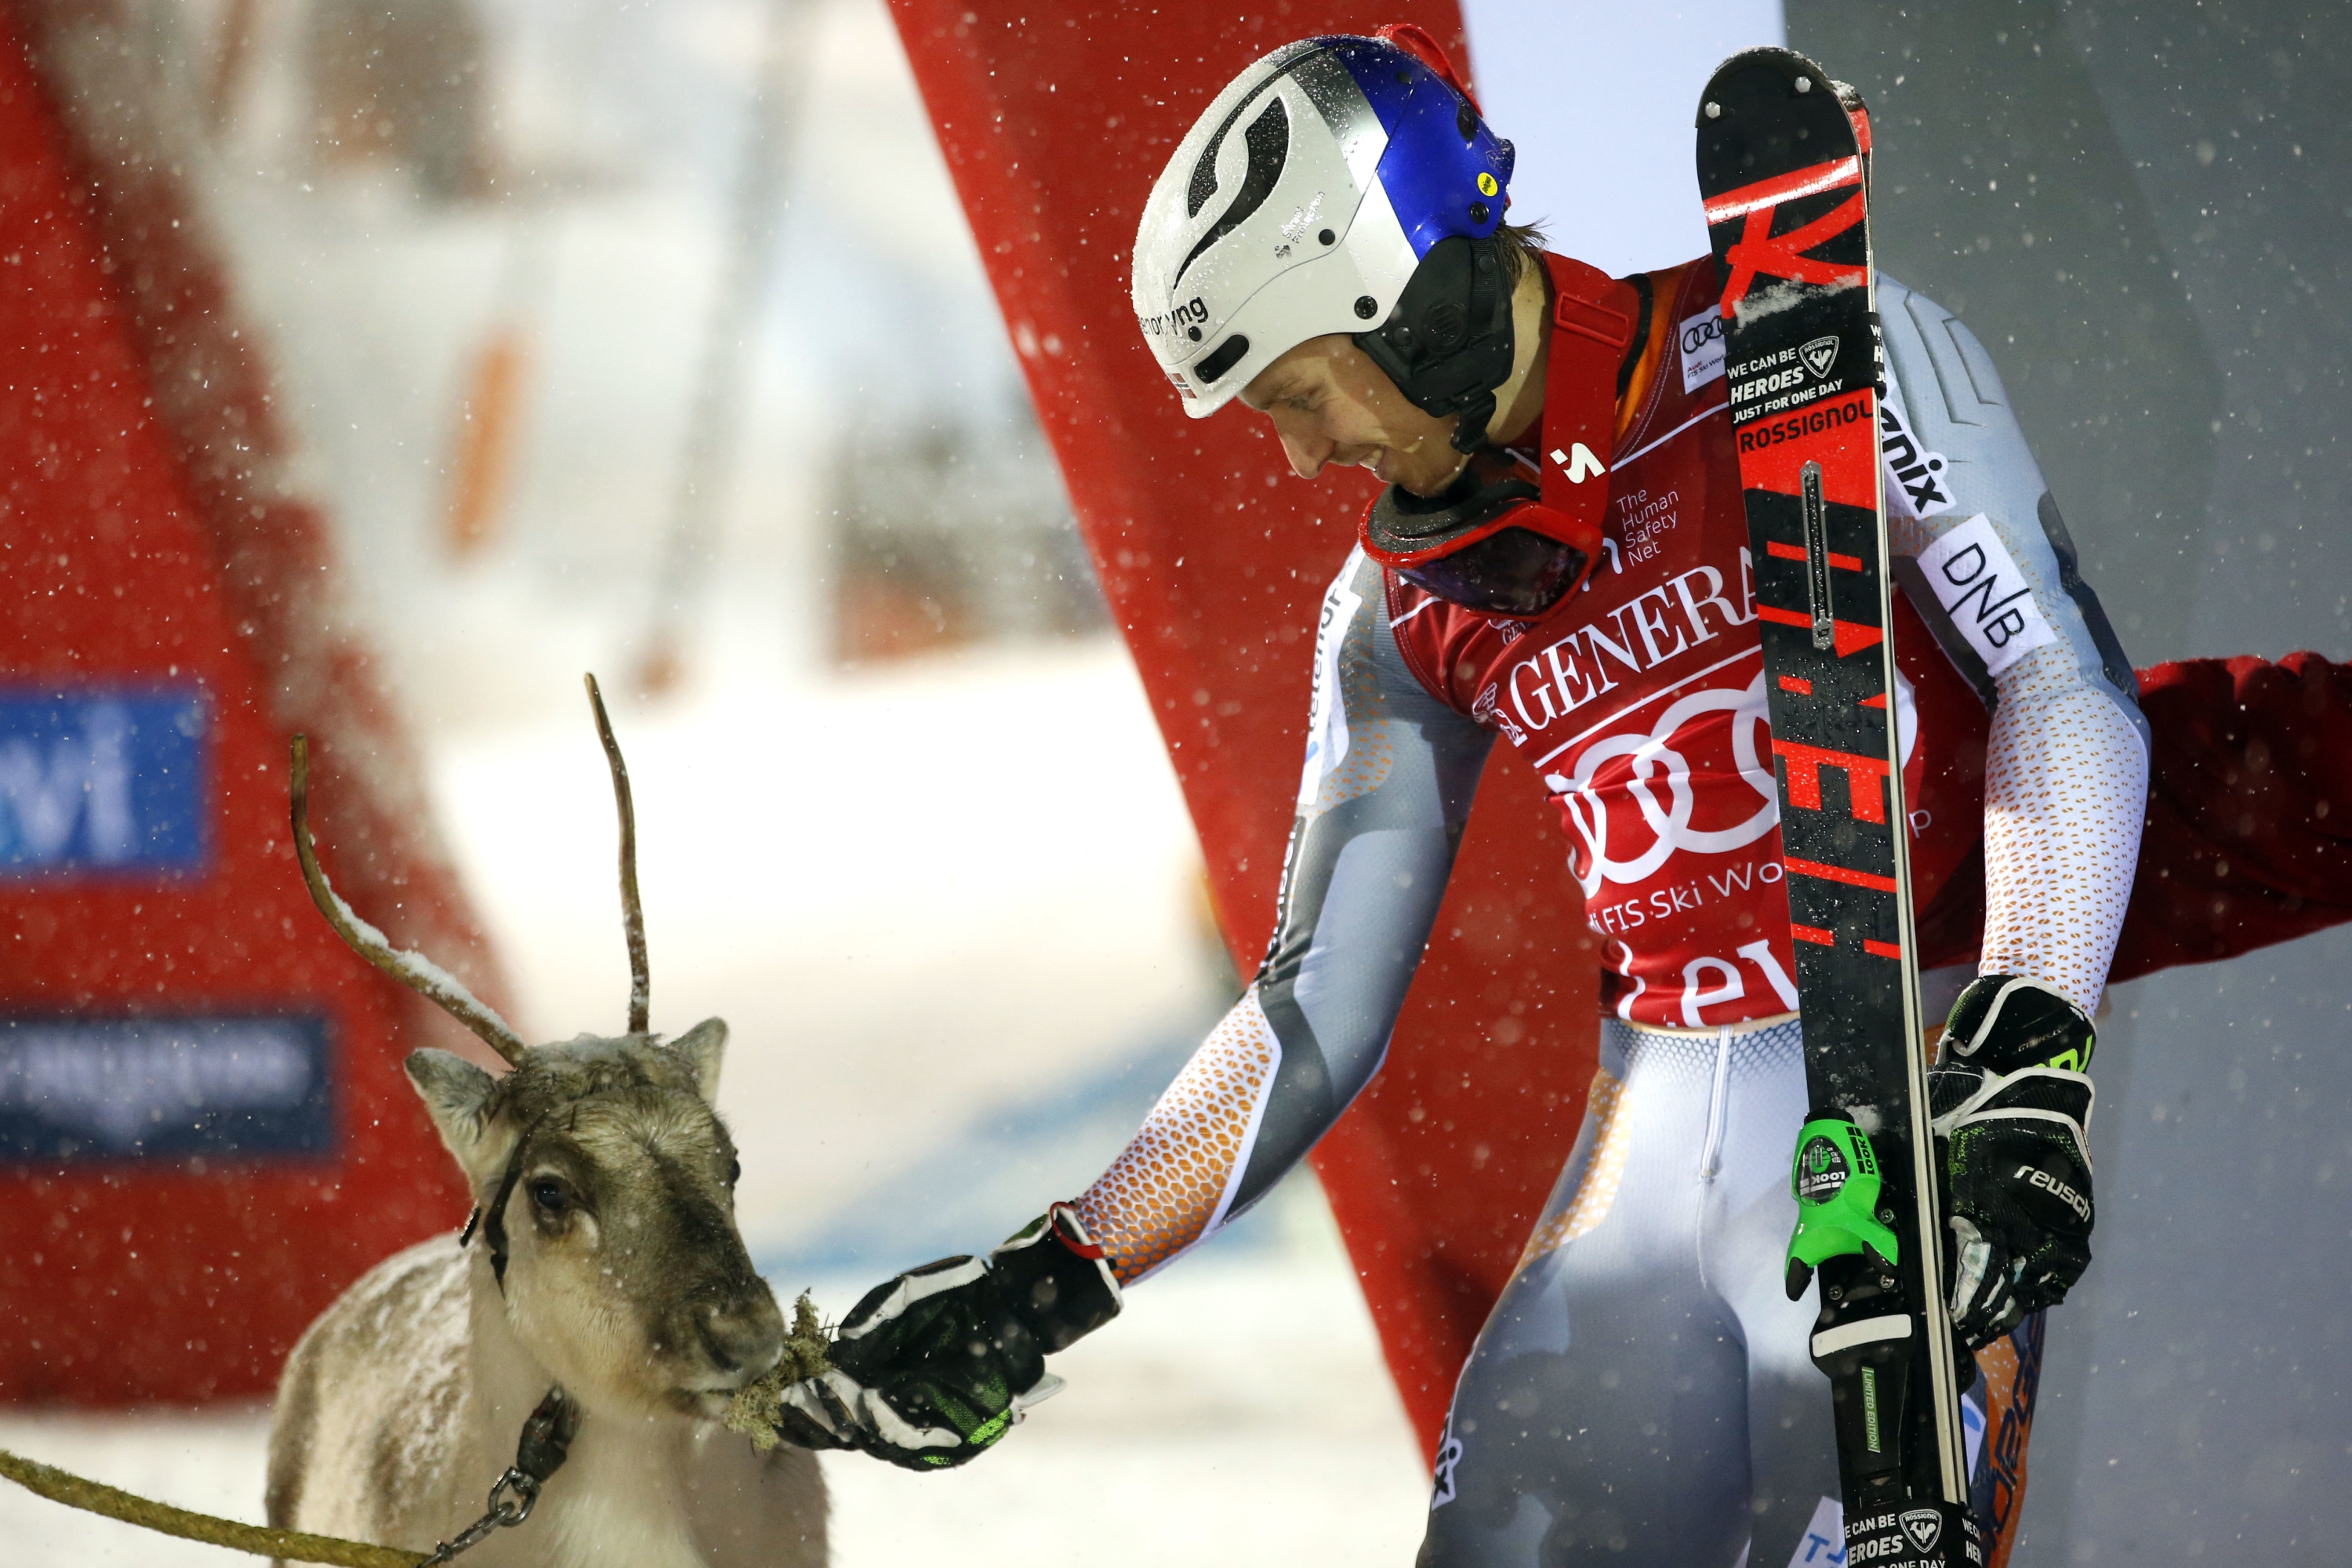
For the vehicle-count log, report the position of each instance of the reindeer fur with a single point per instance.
(401, 1404)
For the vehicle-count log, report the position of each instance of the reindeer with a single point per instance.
(610, 1296)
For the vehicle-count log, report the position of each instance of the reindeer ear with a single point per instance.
(456, 1093)
(702, 1045)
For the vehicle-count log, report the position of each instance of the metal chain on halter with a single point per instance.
(546, 1441)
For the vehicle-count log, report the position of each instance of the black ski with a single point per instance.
(1782, 166)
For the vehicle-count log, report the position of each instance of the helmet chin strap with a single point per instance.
(1448, 344)
(1470, 430)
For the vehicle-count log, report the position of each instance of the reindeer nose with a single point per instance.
(745, 1336)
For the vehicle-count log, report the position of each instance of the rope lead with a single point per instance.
(293, 1545)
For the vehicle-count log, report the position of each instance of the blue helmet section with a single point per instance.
(1431, 172)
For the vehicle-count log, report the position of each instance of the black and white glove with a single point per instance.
(932, 1368)
(2013, 1115)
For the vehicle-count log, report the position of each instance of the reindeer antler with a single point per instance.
(632, 913)
(413, 970)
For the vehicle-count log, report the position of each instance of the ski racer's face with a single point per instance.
(1330, 403)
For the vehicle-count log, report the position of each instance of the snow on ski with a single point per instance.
(1783, 168)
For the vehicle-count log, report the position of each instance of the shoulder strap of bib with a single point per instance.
(1592, 321)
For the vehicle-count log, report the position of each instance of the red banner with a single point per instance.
(205, 1131)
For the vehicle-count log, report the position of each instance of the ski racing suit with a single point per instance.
(1642, 1392)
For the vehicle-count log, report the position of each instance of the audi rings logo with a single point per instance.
(1702, 345)
(1651, 772)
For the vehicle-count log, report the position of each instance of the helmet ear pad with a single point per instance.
(1448, 344)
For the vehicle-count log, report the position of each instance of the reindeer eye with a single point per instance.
(552, 1196)
(734, 1171)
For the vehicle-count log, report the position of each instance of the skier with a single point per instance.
(1327, 246)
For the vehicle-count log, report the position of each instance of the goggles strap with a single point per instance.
(1593, 321)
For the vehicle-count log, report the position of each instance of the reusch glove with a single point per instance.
(2013, 1113)
(932, 1368)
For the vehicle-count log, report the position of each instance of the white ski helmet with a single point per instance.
(1340, 184)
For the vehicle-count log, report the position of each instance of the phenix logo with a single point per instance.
(1449, 1454)
(1915, 473)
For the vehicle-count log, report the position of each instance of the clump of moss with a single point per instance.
(758, 1406)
